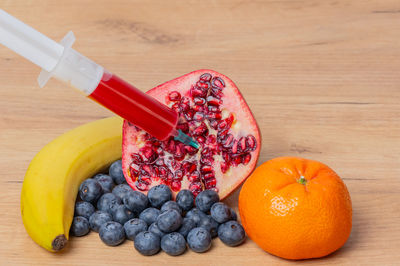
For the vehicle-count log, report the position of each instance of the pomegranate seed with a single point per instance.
(208, 176)
(207, 160)
(134, 168)
(184, 127)
(227, 142)
(210, 183)
(224, 167)
(199, 108)
(211, 139)
(246, 158)
(162, 171)
(235, 146)
(218, 82)
(145, 179)
(159, 162)
(216, 92)
(195, 176)
(174, 96)
(193, 167)
(141, 186)
(216, 116)
(251, 143)
(178, 174)
(198, 92)
(214, 101)
(176, 186)
(190, 150)
(200, 130)
(214, 124)
(203, 84)
(213, 108)
(201, 139)
(136, 158)
(222, 134)
(179, 152)
(195, 186)
(206, 169)
(147, 169)
(242, 144)
(171, 146)
(236, 160)
(184, 104)
(199, 116)
(226, 156)
(189, 114)
(175, 107)
(205, 77)
(199, 101)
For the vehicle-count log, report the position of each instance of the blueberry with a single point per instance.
(158, 195)
(209, 224)
(185, 199)
(98, 219)
(112, 233)
(134, 227)
(149, 215)
(231, 233)
(83, 208)
(121, 190)
(116, 173)
(173, 244)
(233, 215)
(171, 205)
(135, 201)
(108, 203)
(90, 190)
(196, 215)
(221, 212)
(199, 239)
(154, 229)
(121, 214)
(147, 243)
(206, 199)
(187, 225)
(105, 181)
(169, 221)
(80, 226)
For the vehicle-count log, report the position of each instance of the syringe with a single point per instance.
(59, 60)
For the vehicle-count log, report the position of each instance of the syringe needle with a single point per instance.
(185, 139)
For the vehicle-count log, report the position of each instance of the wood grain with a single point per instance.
(322, 78)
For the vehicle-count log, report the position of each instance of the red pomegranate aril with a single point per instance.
(214, 124)
(200, 130)
(246, 158)
(206, 169)
(189, 114)
(183, 127)
(205, 77)
(210, 183)
(199, 116)
(134, 169)
(176, 186)
(207, 160)
(212, 108)
(145, 179)
(162, 171)
(234, 148)
(227, 142)
(193, 177)
(175, 107)
(179, 152)
(222, 134)
(201, 139)
(198, 92)
(242, 144)
(174, 96)
(236, 160)
(216, 116)
(141, 186)
(216, 92)
(224, 167)
(251, 143)
(136, 158)
(148, 155)
(190, 150)
(179, 174)
(214, 101)
(199, 101)
(211, 139)
(196, 188)
(218, 82)
(203, 84)
(208, 176)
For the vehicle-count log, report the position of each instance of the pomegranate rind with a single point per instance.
(244, 123)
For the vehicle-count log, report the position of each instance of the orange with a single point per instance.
(296, 208)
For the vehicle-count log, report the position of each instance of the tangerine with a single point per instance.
(296, 208)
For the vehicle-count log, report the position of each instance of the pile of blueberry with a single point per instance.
(154, 221)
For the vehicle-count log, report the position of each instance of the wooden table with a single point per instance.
(322, 78)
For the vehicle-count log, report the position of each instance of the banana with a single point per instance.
(52, 180)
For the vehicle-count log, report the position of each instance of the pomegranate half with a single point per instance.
(211, 110)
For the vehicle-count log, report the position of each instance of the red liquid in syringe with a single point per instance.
(135, 106)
